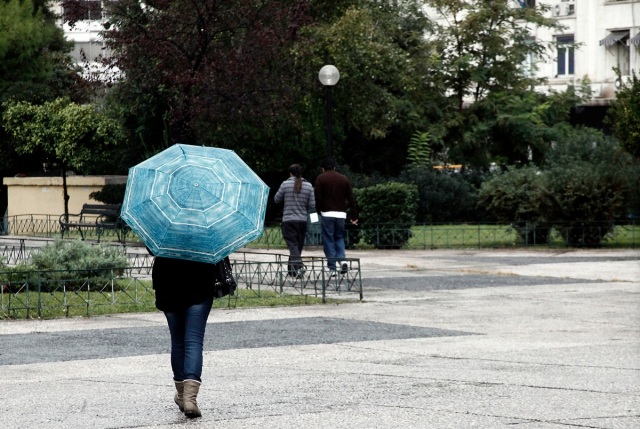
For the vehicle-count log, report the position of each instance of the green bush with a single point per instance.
(443, 197)
(387, 212)
(586, 183)
(514, 196)
(76, 261)
(588, 180)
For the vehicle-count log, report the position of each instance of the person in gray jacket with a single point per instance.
(297, 195)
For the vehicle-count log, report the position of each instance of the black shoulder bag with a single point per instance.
(224, 284)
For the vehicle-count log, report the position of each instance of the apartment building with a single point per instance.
(600, 35)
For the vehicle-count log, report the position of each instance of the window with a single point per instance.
(529, 65)
(87, 51)
(527, 3)
(617, 46)
(565, 58)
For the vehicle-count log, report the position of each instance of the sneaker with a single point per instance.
(332, 273)
(344, 269)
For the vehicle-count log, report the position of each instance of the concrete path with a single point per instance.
(444, 339)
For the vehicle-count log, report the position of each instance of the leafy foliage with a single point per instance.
(205, 72)
(581, 190)
(624, 115)
(481, 46)
(74, 255)
(76, 259)
(110, 194)
(442, 197)
(386, 88)
(387, 212)
(515, 195)
(419, 153)
(67, 134)
(64, 134)
(34, 67)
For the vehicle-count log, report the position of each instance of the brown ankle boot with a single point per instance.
(190, 393)
(179, 391)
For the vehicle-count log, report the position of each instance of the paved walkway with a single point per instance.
(444, 339)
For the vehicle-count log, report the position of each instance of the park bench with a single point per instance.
(99, 217)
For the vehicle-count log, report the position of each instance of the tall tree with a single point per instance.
(624, 115)
(203, 71)
(35, 65)
(387, 88)
(482, 47)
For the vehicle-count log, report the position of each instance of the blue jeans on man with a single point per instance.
(333, 240)
(187, 337)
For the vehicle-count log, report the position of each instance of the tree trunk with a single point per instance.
(65, 194)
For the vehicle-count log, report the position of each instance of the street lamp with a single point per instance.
(329, 76)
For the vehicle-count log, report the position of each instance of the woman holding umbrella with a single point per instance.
(192, 206)
(185, 292)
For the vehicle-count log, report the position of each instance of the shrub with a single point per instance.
(588, 185)
(584, 186)
(69, 260)
(443, 197)
(387, 212)
(514, 196)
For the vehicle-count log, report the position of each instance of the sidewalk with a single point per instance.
(443, 339)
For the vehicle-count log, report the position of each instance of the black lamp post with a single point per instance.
(329, 76)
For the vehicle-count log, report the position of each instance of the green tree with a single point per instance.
(624, 115)
(34, 60)
(590, 185)
(63, 134)
(385, 83)
(482, 46)
(35, 65)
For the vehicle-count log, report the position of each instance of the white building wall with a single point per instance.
(593, 21)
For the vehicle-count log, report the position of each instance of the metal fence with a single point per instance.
(624, 233)
(64, 293)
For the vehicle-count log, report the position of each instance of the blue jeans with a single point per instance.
(187, 337)
(333, 240)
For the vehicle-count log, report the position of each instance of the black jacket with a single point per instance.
(180, 283)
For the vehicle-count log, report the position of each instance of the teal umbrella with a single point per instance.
(194, 202)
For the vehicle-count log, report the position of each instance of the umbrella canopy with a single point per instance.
(194, 202)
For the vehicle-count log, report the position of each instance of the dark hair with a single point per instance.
(329, 164)
(296, 171)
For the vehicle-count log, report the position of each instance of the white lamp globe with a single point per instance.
(329, 75)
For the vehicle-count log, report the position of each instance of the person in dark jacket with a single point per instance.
(186, 305)
(334, 195)
(297, 195)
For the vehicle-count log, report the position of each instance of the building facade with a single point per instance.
(600, 35)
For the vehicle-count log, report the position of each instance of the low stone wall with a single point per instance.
(43, 195)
